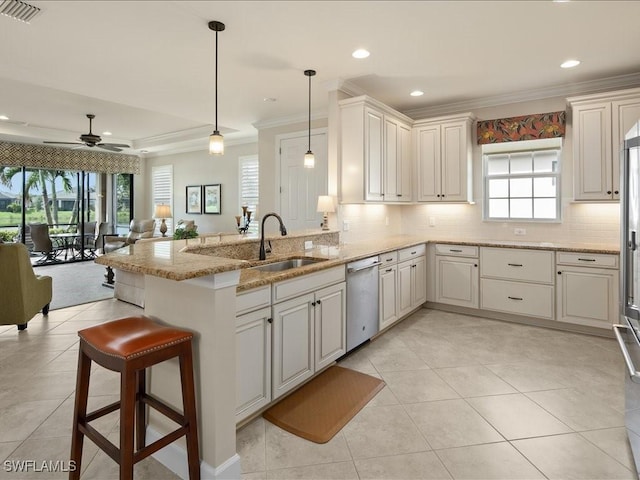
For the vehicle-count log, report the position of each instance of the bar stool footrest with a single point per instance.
(163, 408)
(158, 444)
(100, 440)
(101, 412)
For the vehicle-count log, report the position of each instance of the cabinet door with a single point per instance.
(625, 114)
(330, 325)
(373, 154)
(397, 162)
(405, 162)
(404, 286)
(454, 158)
(457, 281)
(253, 362)
(587, 296)
(419, 281)
(428, 162)
(593, 168)
(293, 332)
(388, 296)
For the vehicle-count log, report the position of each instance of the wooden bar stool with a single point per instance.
(129, 346)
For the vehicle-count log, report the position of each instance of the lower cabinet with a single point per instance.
(457, 275)
(412, 285)
(253, 362)
(309, 333)
(388, 281)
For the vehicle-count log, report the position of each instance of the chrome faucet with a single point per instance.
(283, 232)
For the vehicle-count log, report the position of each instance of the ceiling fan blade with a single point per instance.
(108, 147)
(64, 143)
(122, 145)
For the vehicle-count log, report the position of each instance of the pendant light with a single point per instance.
(216, 142)
(309, 159)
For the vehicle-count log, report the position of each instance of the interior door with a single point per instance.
(299, 186)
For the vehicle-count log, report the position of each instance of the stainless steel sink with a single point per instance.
(287, 264)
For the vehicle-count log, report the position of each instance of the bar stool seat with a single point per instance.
(129, 346)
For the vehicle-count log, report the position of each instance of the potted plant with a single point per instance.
(185, 230)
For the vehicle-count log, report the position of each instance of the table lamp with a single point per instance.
(325, 205)
(163, 211)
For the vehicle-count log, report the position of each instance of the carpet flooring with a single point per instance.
(75, 283)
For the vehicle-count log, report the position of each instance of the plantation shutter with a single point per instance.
(249, 193)
(162, 192)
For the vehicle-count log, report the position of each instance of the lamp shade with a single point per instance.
(216, 144)
(162, 211)
(325, 204)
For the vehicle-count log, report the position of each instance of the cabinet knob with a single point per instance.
(313, 304)
(318, 302)
(608, 192)
(475, 265)
(559, 273)
(270, 320)
(616, 192)
(438, 195)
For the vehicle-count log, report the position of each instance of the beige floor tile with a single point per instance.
(254, 476)
(414, 386)
(70, 327)
(516, 416)
(285, 450)
(493, 461)
(614, 442)
(395, 359)
(571, 456)
(387, 430)
(359, 361)
(66, 361)
(383, 397)
(578, 410)
(451, 423)
(48, 385)
(531, 377)
(412, 466)
(6, 448)
(440, 353)
(474, 381)
(327, 471)
(251, 446)
(18, 421)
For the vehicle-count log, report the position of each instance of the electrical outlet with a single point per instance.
(519, 231)
(345, 226)
(432, 221)
(308, 244)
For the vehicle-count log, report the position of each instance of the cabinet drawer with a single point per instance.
(456, 250)
(388, 258)
(307, 283)
(253, 299)
(599, 260)
(517, 264)
(521, 298)
(411, 252)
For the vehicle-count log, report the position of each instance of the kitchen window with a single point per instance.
(249, 188)
(522, 181)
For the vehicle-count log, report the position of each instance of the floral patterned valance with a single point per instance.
(42, 156)
(526, 127)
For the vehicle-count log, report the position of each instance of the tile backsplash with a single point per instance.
(597, 223)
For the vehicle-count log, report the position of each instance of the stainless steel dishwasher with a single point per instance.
(362, 301)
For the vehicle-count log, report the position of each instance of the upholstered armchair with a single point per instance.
(137, 229)
(23, 292)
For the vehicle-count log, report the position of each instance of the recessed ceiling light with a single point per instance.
(417, 93)
(269, 99)
(144, 151)
(360, 53)
(4, 117)
(570, 63)
(107, 133)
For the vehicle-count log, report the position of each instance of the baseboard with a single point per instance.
(175, 459)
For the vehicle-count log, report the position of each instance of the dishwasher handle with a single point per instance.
(633, 373)
(371, 265)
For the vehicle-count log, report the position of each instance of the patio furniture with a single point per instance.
(24, 293)
(137, 229)
(42, 243)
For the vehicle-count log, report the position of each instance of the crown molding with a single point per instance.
(198, 145)
(288, 120)
(621, 81)
(344, 86)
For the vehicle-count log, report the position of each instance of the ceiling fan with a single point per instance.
(92, 140)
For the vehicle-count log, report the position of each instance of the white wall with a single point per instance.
(200, 168)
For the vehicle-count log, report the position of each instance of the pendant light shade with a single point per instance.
(309, 158)
(216, 142)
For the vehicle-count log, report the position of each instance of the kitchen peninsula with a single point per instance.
(193, 284)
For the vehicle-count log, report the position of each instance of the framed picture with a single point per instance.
(194, 199)
(212, 199)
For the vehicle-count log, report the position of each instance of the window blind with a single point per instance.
(162, 192)
(249, 188)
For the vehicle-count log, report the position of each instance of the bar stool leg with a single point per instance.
(79, 412)
(127, 424)
(141, 423)
(189, 406)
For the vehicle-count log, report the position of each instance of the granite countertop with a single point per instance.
(184, 259)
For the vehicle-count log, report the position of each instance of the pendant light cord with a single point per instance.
(309, 112)
(216, 80)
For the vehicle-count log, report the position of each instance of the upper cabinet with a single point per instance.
(443, 159)
(375, 152)
(599, 124)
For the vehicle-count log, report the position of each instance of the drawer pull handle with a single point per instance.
(587, 259)
(455, 250)
(515, 298)
(514, 264)
(413, 253)
(389, 259)
(388, 269)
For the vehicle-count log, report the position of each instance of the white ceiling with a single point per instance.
(146, 68)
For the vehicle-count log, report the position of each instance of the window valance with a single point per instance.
(526, 127)
(52, 158)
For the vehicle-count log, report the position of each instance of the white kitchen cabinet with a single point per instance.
(253, 362)
(457, 281)
(330, 325)
(388, 289)
(412, 285)
(587, 289)
(443, 159)
(599, 124)
(376, 154)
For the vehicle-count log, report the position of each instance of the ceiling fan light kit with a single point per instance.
(216, 141)
(91, 140)
(309, 158)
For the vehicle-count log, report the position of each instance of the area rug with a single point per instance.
(319, 409)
